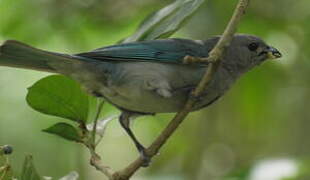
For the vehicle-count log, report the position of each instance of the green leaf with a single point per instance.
(60, 96)
(29, 172)
(65, 131)
(166, 21)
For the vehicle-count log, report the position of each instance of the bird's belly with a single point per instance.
(140, 100)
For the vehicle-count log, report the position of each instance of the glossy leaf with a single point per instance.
(59, 96)
(166, 21)
(65, 131)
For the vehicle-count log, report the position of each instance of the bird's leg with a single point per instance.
(124, 120)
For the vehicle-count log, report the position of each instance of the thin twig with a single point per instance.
(95, 161)
(214, 59)
(99, 108)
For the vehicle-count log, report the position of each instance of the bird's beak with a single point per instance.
(272, 53)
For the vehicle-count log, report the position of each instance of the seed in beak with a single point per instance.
(273, 53)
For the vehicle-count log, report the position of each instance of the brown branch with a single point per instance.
(214, 59)
(95, 161)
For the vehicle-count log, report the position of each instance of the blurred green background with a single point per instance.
(258, 131)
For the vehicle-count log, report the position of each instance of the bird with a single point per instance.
(146, 77)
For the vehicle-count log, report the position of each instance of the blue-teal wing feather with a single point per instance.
(166, 51)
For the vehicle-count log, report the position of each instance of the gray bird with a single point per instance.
(146, 77)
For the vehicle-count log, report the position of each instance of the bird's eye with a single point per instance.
(253, 46)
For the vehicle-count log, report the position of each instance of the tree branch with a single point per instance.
(95, 161)
(214, 59)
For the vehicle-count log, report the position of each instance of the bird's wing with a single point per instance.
(166, 51)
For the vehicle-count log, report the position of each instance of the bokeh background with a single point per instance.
(258, 131)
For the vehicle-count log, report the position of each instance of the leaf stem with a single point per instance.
(98, 111)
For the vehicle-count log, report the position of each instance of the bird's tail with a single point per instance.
(16, 54)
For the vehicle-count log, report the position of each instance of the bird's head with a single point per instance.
(247, 51)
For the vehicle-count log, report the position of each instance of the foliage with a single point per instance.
(64, 130)
(166, 21)
(60, 96)
(29, 171)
